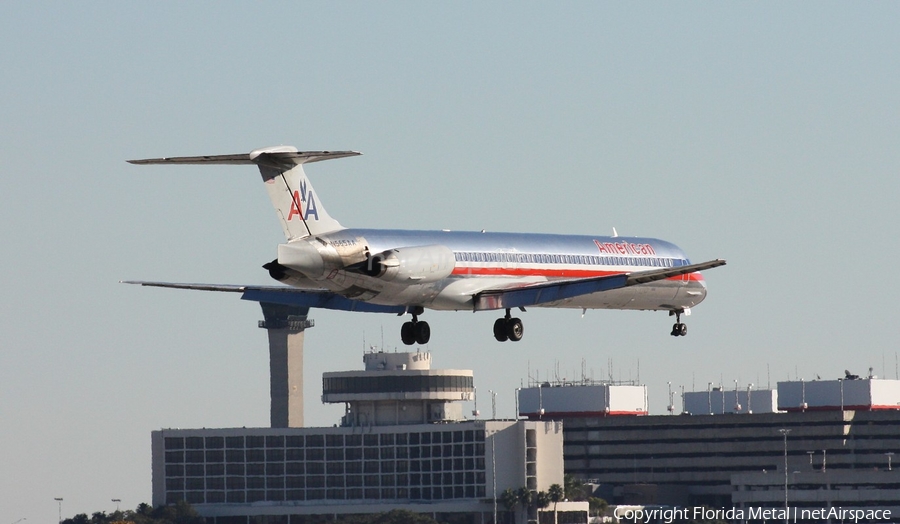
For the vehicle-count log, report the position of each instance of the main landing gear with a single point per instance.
(679, 329)
(415, 332)
(507, 328)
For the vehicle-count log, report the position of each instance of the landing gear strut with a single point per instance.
(415, 332)
(679, 329)
(508, 328)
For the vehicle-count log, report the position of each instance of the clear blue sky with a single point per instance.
(763, 133)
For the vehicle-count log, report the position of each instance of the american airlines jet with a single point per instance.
(405, 272)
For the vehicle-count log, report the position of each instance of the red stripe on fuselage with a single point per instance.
(552, 273)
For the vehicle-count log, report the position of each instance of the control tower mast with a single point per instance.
(285, 325)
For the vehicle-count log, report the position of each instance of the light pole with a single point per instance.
(494, 471)
(749, 405)
(709, 397)
(810, 453)
(671, 407)
(889, 454)
(518, 390)
(493, 404)
(784, 433)
(59, 501)
(117, 501)
(842, 397)
(722, 387)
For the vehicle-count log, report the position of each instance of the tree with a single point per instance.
(180, 513)
(524, 496)
(80, 518)
(509, 499)
(574, 488)
(597, 506)
(556, 494)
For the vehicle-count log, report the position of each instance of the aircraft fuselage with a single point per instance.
(448, 278)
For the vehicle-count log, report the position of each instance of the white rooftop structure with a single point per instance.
(581, 399)
(848, 393)
(721, 401)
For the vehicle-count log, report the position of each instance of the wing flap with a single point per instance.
(544, 292)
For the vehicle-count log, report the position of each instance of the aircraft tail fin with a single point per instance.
(300, 211)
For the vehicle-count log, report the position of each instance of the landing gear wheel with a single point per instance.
(408, 333)
(422, 332)
(679, 329)
(514, 329)
(500, 330)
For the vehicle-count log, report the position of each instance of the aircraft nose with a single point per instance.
(695, 291)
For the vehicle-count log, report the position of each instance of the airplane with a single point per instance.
(326, 265)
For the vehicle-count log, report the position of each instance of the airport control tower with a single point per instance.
(397, 389)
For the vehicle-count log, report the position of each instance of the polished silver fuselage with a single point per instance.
(490, 261)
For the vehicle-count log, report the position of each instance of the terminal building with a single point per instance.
(402, 444)
(834, 457)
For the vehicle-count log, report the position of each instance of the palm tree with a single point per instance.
(598, 506)
(556, 494)
(525, 496)
(541, 501)
(509, 499)
(574, 488)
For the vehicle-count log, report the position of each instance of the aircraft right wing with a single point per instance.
(544, 292)
(283, 295)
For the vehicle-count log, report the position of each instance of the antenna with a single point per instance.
(475, 411)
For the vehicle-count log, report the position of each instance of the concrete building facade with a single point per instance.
(303, 471)
(692, 459)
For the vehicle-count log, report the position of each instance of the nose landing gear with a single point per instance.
(415, 332)
(679, 329)
(508, 328)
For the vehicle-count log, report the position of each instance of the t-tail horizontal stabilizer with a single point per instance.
(299, 209)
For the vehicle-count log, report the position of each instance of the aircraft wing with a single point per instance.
(544, 292)
(283, 295)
